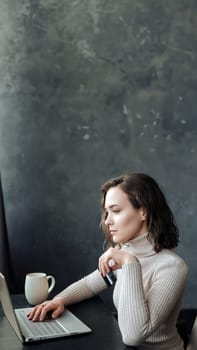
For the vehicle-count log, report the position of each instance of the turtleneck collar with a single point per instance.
(140, 246)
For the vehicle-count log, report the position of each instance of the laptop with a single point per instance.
(66, 324)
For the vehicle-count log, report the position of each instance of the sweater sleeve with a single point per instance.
(140, 315)
(85, 288)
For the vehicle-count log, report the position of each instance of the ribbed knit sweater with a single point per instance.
(147, 295)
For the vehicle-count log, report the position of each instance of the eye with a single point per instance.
(116, 210)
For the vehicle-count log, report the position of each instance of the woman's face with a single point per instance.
(122, 219)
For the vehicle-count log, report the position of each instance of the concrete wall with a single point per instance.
(90, 89)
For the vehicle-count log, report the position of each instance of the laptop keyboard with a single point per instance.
(38, 329)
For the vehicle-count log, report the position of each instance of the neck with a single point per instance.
(140, 246)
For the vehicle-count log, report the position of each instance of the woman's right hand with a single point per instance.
(116, 257)
(55, 306)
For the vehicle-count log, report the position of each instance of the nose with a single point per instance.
(108, 220)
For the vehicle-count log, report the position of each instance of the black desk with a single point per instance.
(105, 331)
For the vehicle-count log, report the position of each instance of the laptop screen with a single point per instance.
(8, 307)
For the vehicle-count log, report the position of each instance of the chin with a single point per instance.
(116, 240)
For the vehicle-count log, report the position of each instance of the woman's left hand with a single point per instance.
(114, 259)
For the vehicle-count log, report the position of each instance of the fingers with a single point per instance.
(39, 312)
(103, 266)
(106, 263)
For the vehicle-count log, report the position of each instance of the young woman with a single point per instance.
(150, 277)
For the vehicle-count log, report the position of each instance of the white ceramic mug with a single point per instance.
(38, 286)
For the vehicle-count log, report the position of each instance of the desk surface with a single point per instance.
(105, 331)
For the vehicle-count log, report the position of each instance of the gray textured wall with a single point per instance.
(90, 89)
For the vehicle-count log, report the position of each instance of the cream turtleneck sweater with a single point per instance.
(147, 295)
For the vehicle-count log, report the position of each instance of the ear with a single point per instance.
(143, 214)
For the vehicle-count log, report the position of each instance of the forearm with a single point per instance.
(83, 289)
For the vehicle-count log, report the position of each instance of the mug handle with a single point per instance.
(52, 283)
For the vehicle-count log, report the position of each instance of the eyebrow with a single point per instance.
(112, 205)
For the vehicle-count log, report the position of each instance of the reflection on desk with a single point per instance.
(105, 331)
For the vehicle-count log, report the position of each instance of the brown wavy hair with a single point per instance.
(144, 192)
